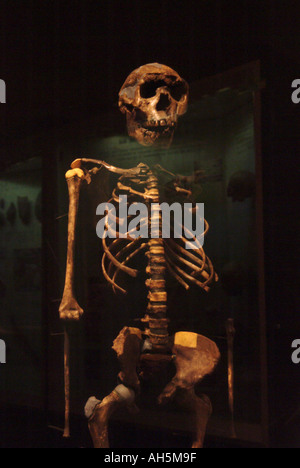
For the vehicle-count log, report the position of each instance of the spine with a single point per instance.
(156, 319)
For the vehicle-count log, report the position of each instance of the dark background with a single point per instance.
(65, 61)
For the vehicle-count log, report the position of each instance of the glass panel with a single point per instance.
(21, 325)
(214, 141)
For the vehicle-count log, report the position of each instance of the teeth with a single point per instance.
(159, 123)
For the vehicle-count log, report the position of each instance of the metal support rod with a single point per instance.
(66, 432)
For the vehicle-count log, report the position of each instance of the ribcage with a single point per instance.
(187, 266)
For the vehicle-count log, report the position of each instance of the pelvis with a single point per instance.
(193, 355)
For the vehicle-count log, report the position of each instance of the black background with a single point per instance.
(64, 61)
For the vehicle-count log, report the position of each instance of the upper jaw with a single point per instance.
(159, 124)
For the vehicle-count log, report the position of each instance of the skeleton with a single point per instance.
(153, 96)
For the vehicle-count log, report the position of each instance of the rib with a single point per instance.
(188, 193)
(116, 235)
(115, 196)
(114, 218)
(206, 262)
(177, 277)
(130, 271)
(192, 266)
(132, 191)
(134, 180)
(211, 269)
(115, 285)
(132, 254)
(192, 236)
(118, 254)
(199, 250)
(200, 260)
(186, 275)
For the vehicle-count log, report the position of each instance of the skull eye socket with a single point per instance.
(149, 88)
(178, 90)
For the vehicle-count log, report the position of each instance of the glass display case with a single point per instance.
(21, 321)
(219, 140)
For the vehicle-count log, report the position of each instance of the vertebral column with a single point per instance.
(157, 330)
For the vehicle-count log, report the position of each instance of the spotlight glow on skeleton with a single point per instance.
(142, 217)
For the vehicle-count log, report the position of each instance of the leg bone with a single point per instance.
(128, 346)
(99, 419)
(200, 409)
(196, 357)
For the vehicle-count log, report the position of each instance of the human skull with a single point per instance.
(152, 97)
(241, 186)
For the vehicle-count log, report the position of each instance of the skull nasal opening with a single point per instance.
(163, 102)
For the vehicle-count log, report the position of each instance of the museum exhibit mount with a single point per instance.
(152, 98)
